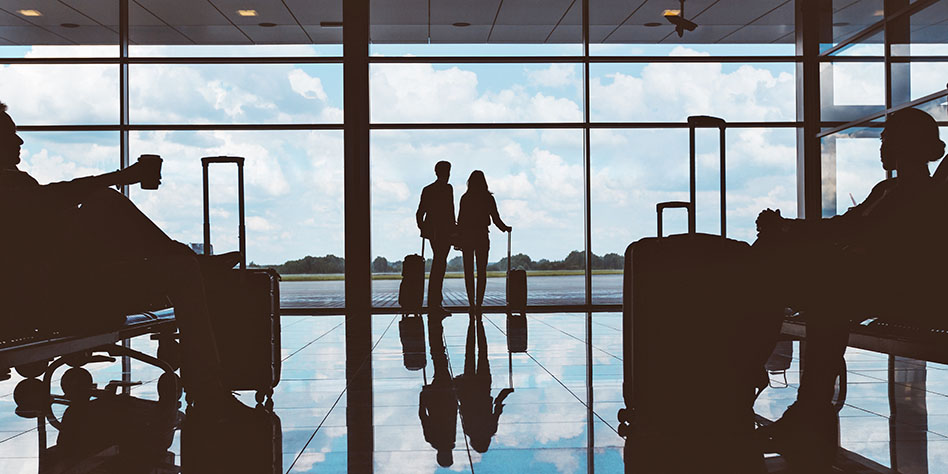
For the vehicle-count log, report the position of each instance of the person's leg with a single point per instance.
(482, 250)
(468, 258)
(439, 262)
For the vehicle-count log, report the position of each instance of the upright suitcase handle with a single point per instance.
(508, 250)
(241, 230)
(660, 209)
(706, 121)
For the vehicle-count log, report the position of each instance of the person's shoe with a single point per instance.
(807, 437)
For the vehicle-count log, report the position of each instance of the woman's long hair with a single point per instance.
(477, 183)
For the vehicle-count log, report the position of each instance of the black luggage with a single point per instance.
(691, 316)
(516, 302)
(249, 443)
(244, 307)
(411, 290)
(411, 331)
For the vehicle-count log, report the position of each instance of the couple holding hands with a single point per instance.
(469, 233)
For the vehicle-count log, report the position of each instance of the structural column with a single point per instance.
(809, 161)
(355, 15)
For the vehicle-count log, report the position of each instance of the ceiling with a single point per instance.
(212, 22)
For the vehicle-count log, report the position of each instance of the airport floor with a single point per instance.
(547, 423)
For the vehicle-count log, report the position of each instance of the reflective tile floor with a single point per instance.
(446, 416)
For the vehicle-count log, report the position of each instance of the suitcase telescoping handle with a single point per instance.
(508, 250)
(242, 229)
(660, 209)
(706, 121)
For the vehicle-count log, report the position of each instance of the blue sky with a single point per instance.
(294, 178)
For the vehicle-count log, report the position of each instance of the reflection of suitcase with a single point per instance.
(689, 318)
(411, 291)
(244, 308)
(249, 443)
(411, 331)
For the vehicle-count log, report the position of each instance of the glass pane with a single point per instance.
(418, 93)
(723, 28)
(851, 167)
(294, 201)
(289, 28)
(62, 156)
(929, 32)
(498, 28)
(55, 29)
(60, 94)
(761, 173)
(537, 180)
(237, 93)
(672, 92)
(928, 78)
(850, 18)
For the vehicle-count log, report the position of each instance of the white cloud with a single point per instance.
(556, 75)
(307, 86)
(259, 224)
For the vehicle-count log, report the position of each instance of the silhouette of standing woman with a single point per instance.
(478, 208)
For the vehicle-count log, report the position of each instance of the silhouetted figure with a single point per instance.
(478, 209)
(85, 256)
(438, 402)
(867, 262)
(435, 218)
(480, 412)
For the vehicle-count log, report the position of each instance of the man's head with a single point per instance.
(9, 141)
(443, 170)
(910, 138)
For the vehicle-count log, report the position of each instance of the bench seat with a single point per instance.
(26, 350)
(879, 335)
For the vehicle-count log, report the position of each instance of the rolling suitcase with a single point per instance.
(411, 290)
(244, 307)
(411, 331)
(516, 302)
(250, 443)
(690, 317)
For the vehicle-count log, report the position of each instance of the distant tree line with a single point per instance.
(576, 260)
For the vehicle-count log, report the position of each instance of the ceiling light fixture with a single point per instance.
(677, 18)
(268, 24)
(330, 24)
(247, 12)
(69, 25)
(878, 13)
(30, 12)
(461, 24)
(652, 24)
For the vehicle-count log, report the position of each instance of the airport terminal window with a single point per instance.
(60, 156)
(670, 92)
(537, 180)
(478, 93)
(235, 93)
(61, 94)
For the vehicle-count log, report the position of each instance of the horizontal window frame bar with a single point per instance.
(580, 59)
(537, 309)
(882, 113)
(179, 60)
(567, 125)
(179, 127)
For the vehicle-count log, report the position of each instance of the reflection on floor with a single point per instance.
(547, 424)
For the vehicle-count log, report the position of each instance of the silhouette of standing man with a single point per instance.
(435, 218)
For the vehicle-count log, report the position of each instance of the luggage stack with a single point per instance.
(244, 306)
(695, 339)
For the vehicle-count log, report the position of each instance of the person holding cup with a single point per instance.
(78, 256)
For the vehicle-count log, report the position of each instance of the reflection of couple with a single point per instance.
(435, 218)
(438, 402)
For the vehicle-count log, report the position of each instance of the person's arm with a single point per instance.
(451, 201)
(420, 213)
(72, 193)
(495, 216)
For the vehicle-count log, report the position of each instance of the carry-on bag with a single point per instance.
(411, 332)
(516, 302)
(244, 306)
(690, 316)
(411, 290)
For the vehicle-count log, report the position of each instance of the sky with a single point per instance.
(294, 178)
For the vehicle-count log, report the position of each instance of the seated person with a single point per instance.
(863, 263)
(79, 256)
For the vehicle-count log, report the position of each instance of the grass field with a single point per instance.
(395, 276)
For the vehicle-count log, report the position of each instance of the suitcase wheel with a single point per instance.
(265, 396)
